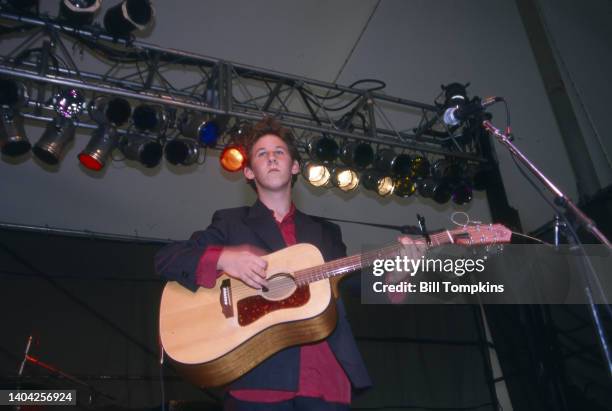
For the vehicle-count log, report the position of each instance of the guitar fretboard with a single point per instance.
(356, 262)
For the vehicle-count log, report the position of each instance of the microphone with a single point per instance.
(455, 115)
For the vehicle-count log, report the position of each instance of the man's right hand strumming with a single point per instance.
(245, 264)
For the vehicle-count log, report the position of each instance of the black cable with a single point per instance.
(381, 85)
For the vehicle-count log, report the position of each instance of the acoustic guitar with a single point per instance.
(215, 335)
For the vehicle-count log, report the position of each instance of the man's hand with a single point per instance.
(245, 264)
(413, 249)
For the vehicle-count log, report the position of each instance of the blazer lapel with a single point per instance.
(261, 221)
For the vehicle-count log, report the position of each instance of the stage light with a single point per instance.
(404, 186)
(128, 16)
(358, 155)
(455, 94)
(384, 160)
(402, 166)
(60, 132)
(149, 118)
(377, 181)
(443, 168)
(316, 174)
(203, 128)
(115, 111)
(143, 148)
(13, 93)
(323, 149)
(425, 187)
(13, 139)
(420, 167)
(181, 150)
(442, 191)
(69, 103)
(462, 193)
(56, 137)
(79, 12)
(233, 158)
(103, 140)
(345, 178)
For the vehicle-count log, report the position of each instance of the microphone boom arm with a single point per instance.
(560, 197)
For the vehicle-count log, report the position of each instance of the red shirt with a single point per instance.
(321, 376)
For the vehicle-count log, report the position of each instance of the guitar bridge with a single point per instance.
(225, 298)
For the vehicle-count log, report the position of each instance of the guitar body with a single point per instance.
(214, 336)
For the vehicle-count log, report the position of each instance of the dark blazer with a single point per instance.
(256, 226)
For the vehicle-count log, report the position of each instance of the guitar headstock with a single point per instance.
(481, 234)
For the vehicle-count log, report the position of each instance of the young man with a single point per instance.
(316, 376)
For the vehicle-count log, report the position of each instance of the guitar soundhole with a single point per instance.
(282, 293)
(280, 286)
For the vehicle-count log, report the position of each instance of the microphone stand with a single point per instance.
(581, 218)
(560, 197)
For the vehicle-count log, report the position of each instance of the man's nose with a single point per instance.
(272, 156)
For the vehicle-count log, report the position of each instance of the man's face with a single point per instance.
(271, 165)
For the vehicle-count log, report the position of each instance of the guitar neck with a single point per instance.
(468, 235)
(358, 261)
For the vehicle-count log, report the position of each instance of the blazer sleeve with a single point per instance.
(178, 261)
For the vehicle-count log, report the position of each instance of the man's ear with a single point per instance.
(248, 173)
(295, 167)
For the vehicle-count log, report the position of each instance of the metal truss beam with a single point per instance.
(148, 73)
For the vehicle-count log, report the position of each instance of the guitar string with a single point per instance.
(341, 266)
(307, 275)
(337, 267)
(352, 263)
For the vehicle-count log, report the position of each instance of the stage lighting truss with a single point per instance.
(173, 84)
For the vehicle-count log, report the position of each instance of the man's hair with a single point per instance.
(269, 125)
(265, 126)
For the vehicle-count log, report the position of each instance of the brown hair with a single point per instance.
(269, 125)
(265, 126)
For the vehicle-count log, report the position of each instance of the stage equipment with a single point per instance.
(404, 186)
(13, 139)
(357, 154)
(149, 118)
(375, 180)
(182, 150)
(128, 16)
(233, 158)
(79, 12)
(455, 94)
(420, 167)
(462, 192)
(324, 149)
(141, 147)
(453, 116)
(103, 141)
(115, 111)
(68, 104)
(203, 127)
(384, 160)
(316, 174)
(345, 179)
(402, 166)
